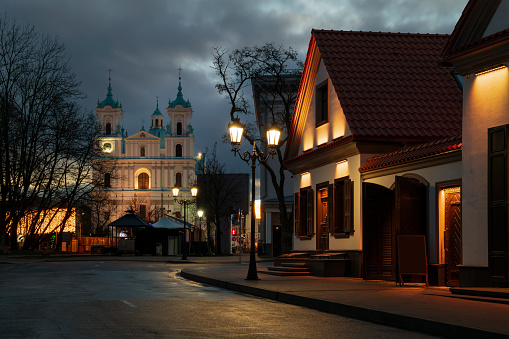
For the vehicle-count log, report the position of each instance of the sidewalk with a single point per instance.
(412, 307)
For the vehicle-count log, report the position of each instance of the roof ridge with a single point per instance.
(377, 32)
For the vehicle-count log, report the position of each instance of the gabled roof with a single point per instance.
(388, 84)
(470, 48)
(414, 153)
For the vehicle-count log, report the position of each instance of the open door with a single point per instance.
(378, 232)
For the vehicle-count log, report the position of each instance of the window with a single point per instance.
(143, 181)
(341, 224)
(304, 211)
(108, 128)
(179, 128)
(322, 103)
(157, 123)
(143, 211)
(178, 151)
(107, 180)
(178, 180)
(142, 151)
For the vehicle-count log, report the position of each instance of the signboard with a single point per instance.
(412, 258)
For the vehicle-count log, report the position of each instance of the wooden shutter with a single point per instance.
(310, 212)
(296, 212)
(303, 212)
(498, 246)
(338, 205)
(330, 209)
(348, 206)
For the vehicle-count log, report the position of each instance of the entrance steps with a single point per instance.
(288, 269)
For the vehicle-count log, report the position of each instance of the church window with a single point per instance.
(179, 128)
(178, 151)
(107, 180)
(178, 180)
(108, 128)
(143, 181)
(157, 122)
(142, 151)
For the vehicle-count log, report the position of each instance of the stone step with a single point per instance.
(287, 269)
(284, 273)
(294, 264)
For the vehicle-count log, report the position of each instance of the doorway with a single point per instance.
(450, 232)
(322, 239)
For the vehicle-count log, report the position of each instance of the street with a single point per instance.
(137, 299)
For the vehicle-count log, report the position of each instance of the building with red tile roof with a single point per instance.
(378, 96)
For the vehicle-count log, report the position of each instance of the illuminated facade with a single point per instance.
(147, 164)
(376, 128)
(478, 51)
(48, 222)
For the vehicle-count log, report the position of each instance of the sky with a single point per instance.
(144, 43)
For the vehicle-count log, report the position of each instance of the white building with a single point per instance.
(147, 163)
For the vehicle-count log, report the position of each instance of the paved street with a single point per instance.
(130, 299)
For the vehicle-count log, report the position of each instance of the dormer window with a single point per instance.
(322, 103)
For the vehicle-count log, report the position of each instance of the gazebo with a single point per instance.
(131, 234)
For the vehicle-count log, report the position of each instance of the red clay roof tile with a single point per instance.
(413, 153)
(382, 76)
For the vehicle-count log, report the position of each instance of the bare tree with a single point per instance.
(219, 194)
(272, 67)
(46, 145)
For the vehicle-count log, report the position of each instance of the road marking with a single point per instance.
(128, 303)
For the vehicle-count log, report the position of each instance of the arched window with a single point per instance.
(107, 180)
(178, 180)
(142, 151)
(179, 128)
(178, 150)
(143, 181)
(108, 128)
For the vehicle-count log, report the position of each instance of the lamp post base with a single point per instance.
(252, 273)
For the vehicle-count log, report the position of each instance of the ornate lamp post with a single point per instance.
(185, 203)
(273, 134)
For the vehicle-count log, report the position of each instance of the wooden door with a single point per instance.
(322, 239)
(378, 232)
(452, 237)
(411, 211)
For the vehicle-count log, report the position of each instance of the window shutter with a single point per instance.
(296, 212)
(303, 209)
(348, 206)
(330, 208)
(310, 212)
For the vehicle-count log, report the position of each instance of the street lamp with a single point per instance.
(184, 202)
(273, 134)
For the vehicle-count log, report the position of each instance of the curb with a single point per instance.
(365, 314)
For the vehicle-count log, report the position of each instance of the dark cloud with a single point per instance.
(145, 42)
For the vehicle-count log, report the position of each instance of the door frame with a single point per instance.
(439, 186)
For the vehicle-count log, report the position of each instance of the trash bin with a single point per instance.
(159, 248)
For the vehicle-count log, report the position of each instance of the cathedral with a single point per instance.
(146, 165)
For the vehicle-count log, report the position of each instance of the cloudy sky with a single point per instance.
(145, 43)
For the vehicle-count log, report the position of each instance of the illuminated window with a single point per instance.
(143, 181)
(179, 128)
(107, 180)
(178, 180)
(322, 103)
(178, 151)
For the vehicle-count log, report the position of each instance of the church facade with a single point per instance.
(146, 165)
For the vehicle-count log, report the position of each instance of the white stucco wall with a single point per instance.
(328, 173)
(485, 105)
